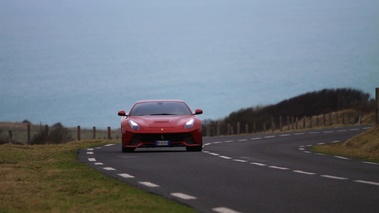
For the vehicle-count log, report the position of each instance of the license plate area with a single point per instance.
(162, 143)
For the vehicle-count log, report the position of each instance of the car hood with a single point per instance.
(161, 120)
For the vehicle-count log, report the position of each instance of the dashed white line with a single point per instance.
(229, 141)
(92, 159)
(214, 154)
(372, 163)
(241, 161)
(241, 140)
(148, 184)
(111, 144)
(327, 132)
(314, 132)
(335, 141)
(367, 182)
(89, 153)
(207, 144)
(258, 138)
(354, 129)
(303, 172)
(308, 152)
(225, 157)
(340, 157)
(344, 130)
(124, 175)
(99, 163)
(300, 133)
(90, 149)
(217, 142)
(270, 136)
(285, 135)
(224, 210)
(258, 164)
(278, 167)
(183, 196)
(334, 177)
(109, 168)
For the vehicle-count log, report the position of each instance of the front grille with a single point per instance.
(174, 137)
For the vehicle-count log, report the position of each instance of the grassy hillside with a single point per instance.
(364, 146)
(48, 178)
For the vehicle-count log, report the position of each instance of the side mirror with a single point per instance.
(198, 111)
(121, 113)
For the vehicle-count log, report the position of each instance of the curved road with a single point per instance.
(250, 173)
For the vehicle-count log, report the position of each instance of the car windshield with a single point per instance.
(160, 108)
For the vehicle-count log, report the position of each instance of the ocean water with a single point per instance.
(79, 62)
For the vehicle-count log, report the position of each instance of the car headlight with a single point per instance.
(133, 125)
(189, 124)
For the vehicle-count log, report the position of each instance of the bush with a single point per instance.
(56, 135)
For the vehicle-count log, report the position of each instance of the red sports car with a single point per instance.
(161, 123)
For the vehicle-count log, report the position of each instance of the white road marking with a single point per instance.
(217, 142)
(334, 177)
(229, 141)
(109, 168)
(308, 152)
(224, 210)
(89, 153)
(366, 128)
(303, 172)
(90, 149)
(301, 148)
(270, 136)
(367, 182)
(241, 161)
(92, 159)
(99, 164)
(242, 140)
(285, 135)
(320, 143)
(354, 129)
(278, 167)
(372, 163)
(335, 141)
(206, 152)
(148, 184)
(225, 157)
(111, 144)
(124, 175)
(340, 157)
(214, 154)
(328, 132)
(258, 164)
(183, 196)
(258, 138)
(344, 130)
(300, 133)
(314, 132)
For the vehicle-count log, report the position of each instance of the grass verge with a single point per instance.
(49, 178)
(364, 146)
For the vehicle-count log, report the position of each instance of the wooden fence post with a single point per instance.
(255, 127)
(218, 129)
(272, 124)
(280, 123)
(247, 128)
(109, 133)
(377, 105)
(78, 133)
(94, 132)
(28, 133)
(46, 133)
(238, 128)
(10, 136)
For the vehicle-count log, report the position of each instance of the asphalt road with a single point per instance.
(251, 173)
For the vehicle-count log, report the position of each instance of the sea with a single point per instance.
(80, 62)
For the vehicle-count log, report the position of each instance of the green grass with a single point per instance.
(48, 178)
(364, 146)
